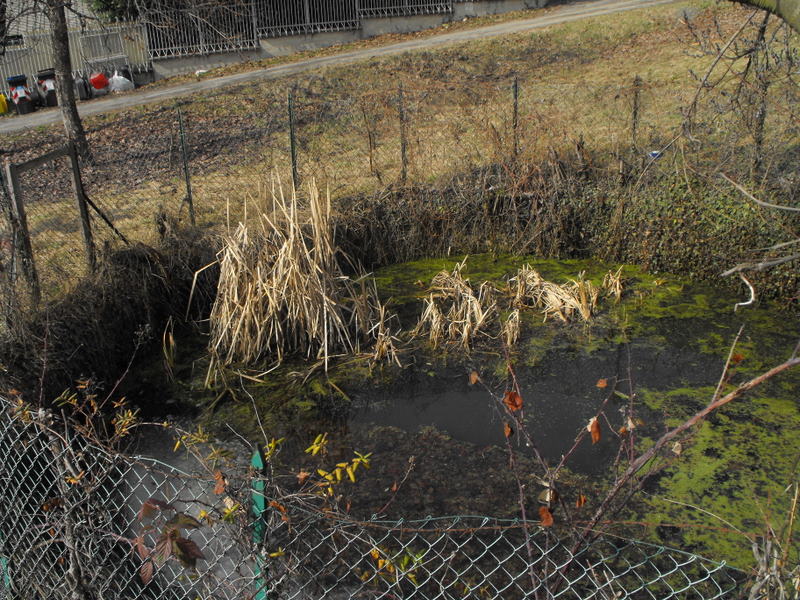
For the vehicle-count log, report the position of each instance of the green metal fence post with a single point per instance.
(259, 508)
(189, 199)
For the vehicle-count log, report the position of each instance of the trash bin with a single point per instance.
(82, 88)
(20, 94)
(46, 80)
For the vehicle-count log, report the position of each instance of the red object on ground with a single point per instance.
(98, 81)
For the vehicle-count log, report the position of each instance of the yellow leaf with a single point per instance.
(351, 473)
(474, 378)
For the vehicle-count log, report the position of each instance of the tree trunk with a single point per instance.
(788, 10)
(65, 84)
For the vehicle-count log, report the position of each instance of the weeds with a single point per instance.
(282, 289)
(453, 312)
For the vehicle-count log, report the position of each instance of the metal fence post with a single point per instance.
(637, 92)
(515, 121)
(293, 140)
(80, 203)
(189, 200)
(22, 235)
(403, 135)
(259, 508)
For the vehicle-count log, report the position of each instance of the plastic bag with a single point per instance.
(118, 83)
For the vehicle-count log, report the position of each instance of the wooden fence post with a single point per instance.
(83, 212)
(22, 235)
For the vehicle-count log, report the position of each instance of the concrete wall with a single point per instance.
(168, 67)
(282, 46)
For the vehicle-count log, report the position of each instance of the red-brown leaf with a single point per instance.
(580, 501)
(219, 487)
(602, 383)
(513, 401)
(474, 378)
(507, 430)
(146, 572)
(594, 428)
(163, 549)
(187, 552)
(302, 476)
(141, 549)
(545, 516)
(151, 506)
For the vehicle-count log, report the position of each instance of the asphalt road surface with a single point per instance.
(562, 14)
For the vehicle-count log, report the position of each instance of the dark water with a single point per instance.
(560, 395)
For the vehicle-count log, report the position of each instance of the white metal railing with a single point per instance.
(281, 18)
(202, 29)
(398, 8)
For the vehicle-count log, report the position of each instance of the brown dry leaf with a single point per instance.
(507, 430)
(545, 516)
(513, 401)
(594, 428)
(677, 448)
(623, 430)
(219, 487)
(474, 378)
(580, 501)
(302, 476)
(394, 487)
(602, 383)
(737, 358)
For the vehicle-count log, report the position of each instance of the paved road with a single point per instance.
(563, 14)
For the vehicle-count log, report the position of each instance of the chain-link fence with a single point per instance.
(207, 159)
(80, 521)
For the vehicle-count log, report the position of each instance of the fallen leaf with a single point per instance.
(580, 501)
(677, 448)
(513, 401)
(602, 383)
(219, 488)
(737, 358)
(474, 378)
(394, 487)
(507, 431)
(545, 516)
(594, 428)
(623, 430)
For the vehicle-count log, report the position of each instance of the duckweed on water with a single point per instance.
(672, 336)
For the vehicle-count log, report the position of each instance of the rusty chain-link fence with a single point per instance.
(80, 521)
(204, 160)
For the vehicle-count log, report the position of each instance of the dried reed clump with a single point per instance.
(453, 311)
(528, 289)
(282, 290)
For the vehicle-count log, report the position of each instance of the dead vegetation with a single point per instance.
(283, 289)
(454, 312)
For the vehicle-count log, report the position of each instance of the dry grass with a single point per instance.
(453, 312)
(282, 289)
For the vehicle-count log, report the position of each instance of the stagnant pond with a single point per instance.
(438, 439)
